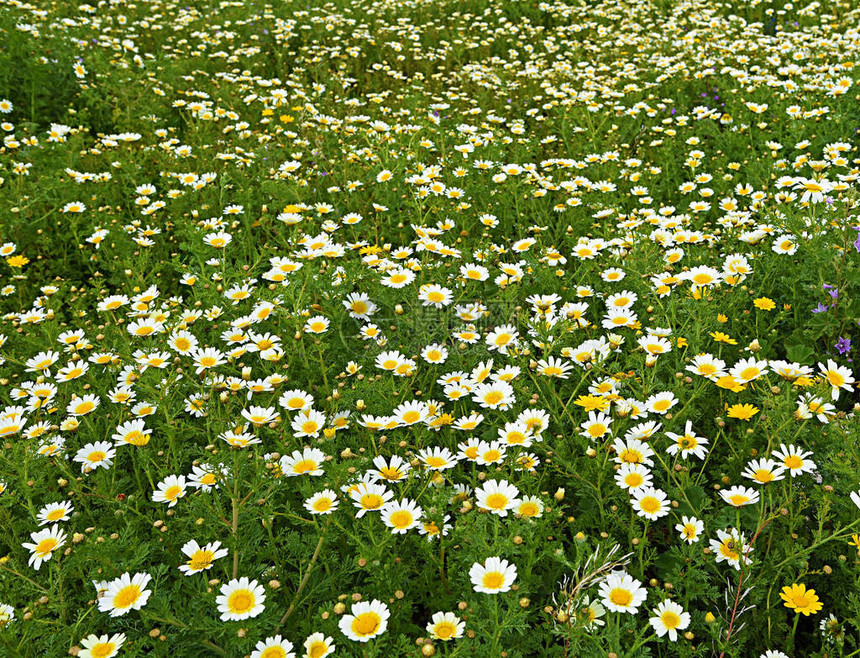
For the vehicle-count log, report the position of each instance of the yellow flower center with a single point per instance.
(310, 426)
(305, 466)
(492, 456)
(750, 373)
(728, 550)
(401, 519)
(494, 580)
(172, 492)
(764, 476)
(631, 456)
(620, 597)
(670, 619)
(366, 624)
(127, 596)
(137, 438)
(497, 501)
(317, 650)
(241, 601)
(444, 630)
(371, 501)
(102, 650)
(836, 380)
(202, 559)
(273, 652)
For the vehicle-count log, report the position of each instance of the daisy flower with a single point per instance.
(200, 558)
(495, 575)
(502, 338)
(596, 427)
(801, 600)
(738, 496)
(650, 503)
(369, 497)
(731, 547)
(401, 516)
(747, 370)
(661, 403)
(124, 594)
(669, 618)
(132, 432)
(366, 621)
(445, 626)
(590, 613)
(620, 592)
(322, 502)
(7, 614)
(529, 507)
(794, 460)
(307, 462)
(687, 443)
(273, 647)
(240, 599)
(489, 453)
(632, 451)
(95, 646)
(296, 400)
(632, 477)
(318, 645)
(55, 512)
(309, 422)
(839, 377)
(496, 395)
(95, 455)
(431, 294)
(44, 543)
(707, 366)
(690, 528)
(438, 459)
(170, 490)
(497, 496)
(763, 471)
(393, 469)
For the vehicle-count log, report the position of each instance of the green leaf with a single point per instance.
(800, 353)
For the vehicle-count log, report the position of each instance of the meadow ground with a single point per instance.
(410, 328)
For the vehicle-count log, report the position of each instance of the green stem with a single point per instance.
(304, 579)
